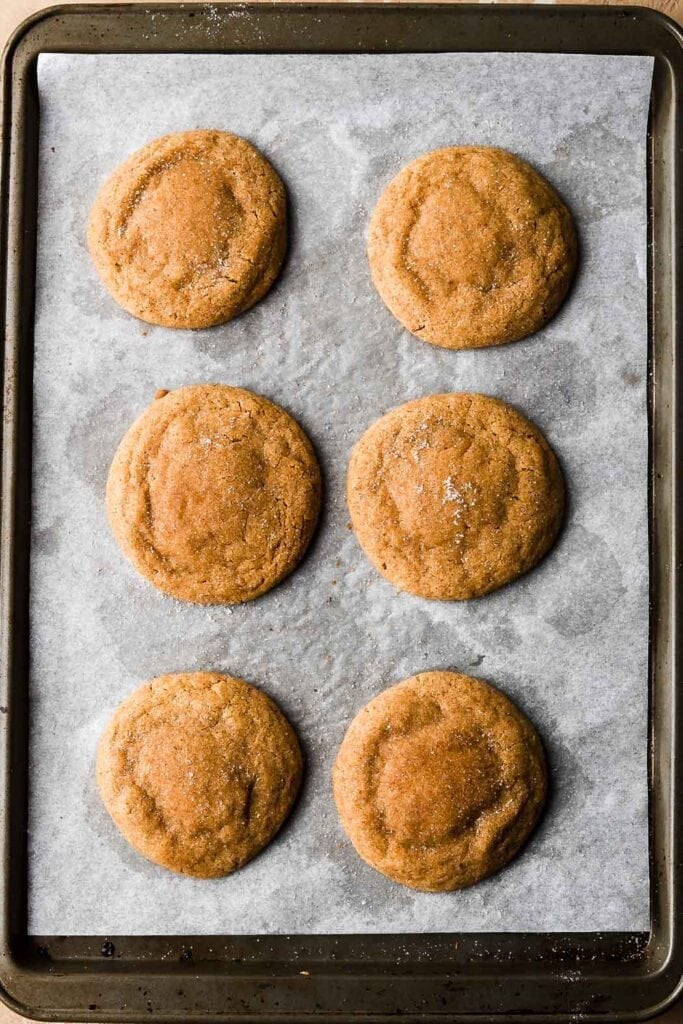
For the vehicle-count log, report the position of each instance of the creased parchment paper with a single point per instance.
(568, 642)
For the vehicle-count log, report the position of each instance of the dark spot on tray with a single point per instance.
(629, 377)
(594, 586)
(186, 954)
(93, 438)
(108, 948)
(3, 710)
(47, 540)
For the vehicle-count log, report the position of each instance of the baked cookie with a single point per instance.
(190, 230)
(451, 496)
(470, 246)
(214, 494)
(439, 781)
(199, 771)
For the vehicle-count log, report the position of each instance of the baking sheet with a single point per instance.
(568, 642)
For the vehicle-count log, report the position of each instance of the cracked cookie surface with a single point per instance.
(452, 496)
(439, 781)
(469, 246)
(190, 231)
(214, 494)
(199, 771)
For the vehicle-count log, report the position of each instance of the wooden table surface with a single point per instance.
(13, 12)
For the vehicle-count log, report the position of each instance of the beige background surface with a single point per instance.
(12, 12)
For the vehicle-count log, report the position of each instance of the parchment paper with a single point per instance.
(568, 642)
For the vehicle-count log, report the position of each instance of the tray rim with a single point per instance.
(20, 961)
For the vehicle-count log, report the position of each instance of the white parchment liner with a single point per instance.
(568, 642)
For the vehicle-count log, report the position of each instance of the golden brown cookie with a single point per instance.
(199, 771)
(190, 230)
(214, 494)
(439, 781)
(451, 496)
(470, 246)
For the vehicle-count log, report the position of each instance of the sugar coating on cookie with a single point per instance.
(439, 781)
(469, 246)
(199, 771)
(190, 230)
(452, 496)
(213, 494)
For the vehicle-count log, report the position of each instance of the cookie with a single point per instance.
(470, 246)
(199, 771)
(439, 781)
(190, 230)
(214, 494)
(452, 496)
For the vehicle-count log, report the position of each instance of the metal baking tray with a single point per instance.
(373, 978)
